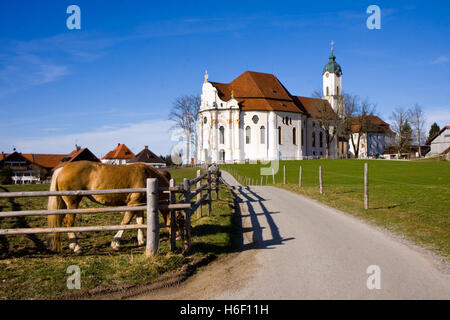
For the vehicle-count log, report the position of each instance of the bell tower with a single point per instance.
(332, 80)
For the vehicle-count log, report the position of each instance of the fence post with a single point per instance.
(284, 174)
(209, 194)
(173, 218)
(199, 195)
(187, 215)
(267, 176)
(273, 176)
(152, 218)
(366, 186)
(320, 179)
(261, 179)
(300, 177)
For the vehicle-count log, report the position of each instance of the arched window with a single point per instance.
(302, 137)
(328, 91)
(313, 139)
(279, 135)
(222, 155)
(262, 134)
(294, 136)
(221, 135)
(321, 139)
(247, 135)
(337, 90)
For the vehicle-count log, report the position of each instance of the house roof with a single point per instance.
(374, 122)
(146, 156)
(437, 134)
(41, 159)
(77, 155)
(120, 152)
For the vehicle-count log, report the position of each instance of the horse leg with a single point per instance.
(140, 233)
(115, 243)
(72, 203)
(73, 241)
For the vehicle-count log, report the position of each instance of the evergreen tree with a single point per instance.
(433, 130)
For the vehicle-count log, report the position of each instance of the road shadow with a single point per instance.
(253, 203)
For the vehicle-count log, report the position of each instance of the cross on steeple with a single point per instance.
(332, 44)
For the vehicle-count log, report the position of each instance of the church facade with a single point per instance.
(254, 117)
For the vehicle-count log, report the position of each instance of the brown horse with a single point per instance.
(87, 175)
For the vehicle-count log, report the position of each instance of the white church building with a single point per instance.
(254, 117)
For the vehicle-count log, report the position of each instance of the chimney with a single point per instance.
(146, 147)
(118, 144)
(77, 147)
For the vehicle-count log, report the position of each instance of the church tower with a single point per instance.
(332, 81)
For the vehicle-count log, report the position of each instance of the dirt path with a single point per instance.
(296, 248)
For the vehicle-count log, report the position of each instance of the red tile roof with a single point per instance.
(120, 152)
(258, 91)
(77, 155)
(43, 160)
(374, 122)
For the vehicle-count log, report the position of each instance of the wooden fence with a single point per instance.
(185, 205)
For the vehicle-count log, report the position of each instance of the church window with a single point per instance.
(294, 136)
(262, 132)
(302, 137)
(255, 119)
(279, 135)
(321, 139)
(337, 90)
(313, 139)
(328, 92)
(205, 120)
(247, 135)
(222, 155)
(221, 135)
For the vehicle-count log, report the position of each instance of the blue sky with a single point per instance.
(116, 78)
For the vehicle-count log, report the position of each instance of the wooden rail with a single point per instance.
(152, 206)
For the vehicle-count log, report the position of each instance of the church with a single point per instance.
(254, 117)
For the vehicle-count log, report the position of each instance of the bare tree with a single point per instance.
(346, 110)
(362, 123)
(184, 113)
(417, 120)
(402, 130)
(327, 119)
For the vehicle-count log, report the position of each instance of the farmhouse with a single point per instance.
(373, 141)
(120, 155)
(77, 155)
(440, 142)
(29, 167)
(147, 156)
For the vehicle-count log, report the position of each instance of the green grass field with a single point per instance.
(410, 198)
(28, 270)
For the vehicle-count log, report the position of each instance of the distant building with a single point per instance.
(147, 156)
(372, 143)
(120, 155)
(440, 142)
(77, 155)
(30, 167)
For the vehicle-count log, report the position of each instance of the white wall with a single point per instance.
(440, 143)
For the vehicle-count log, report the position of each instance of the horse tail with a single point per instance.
(54, 221)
